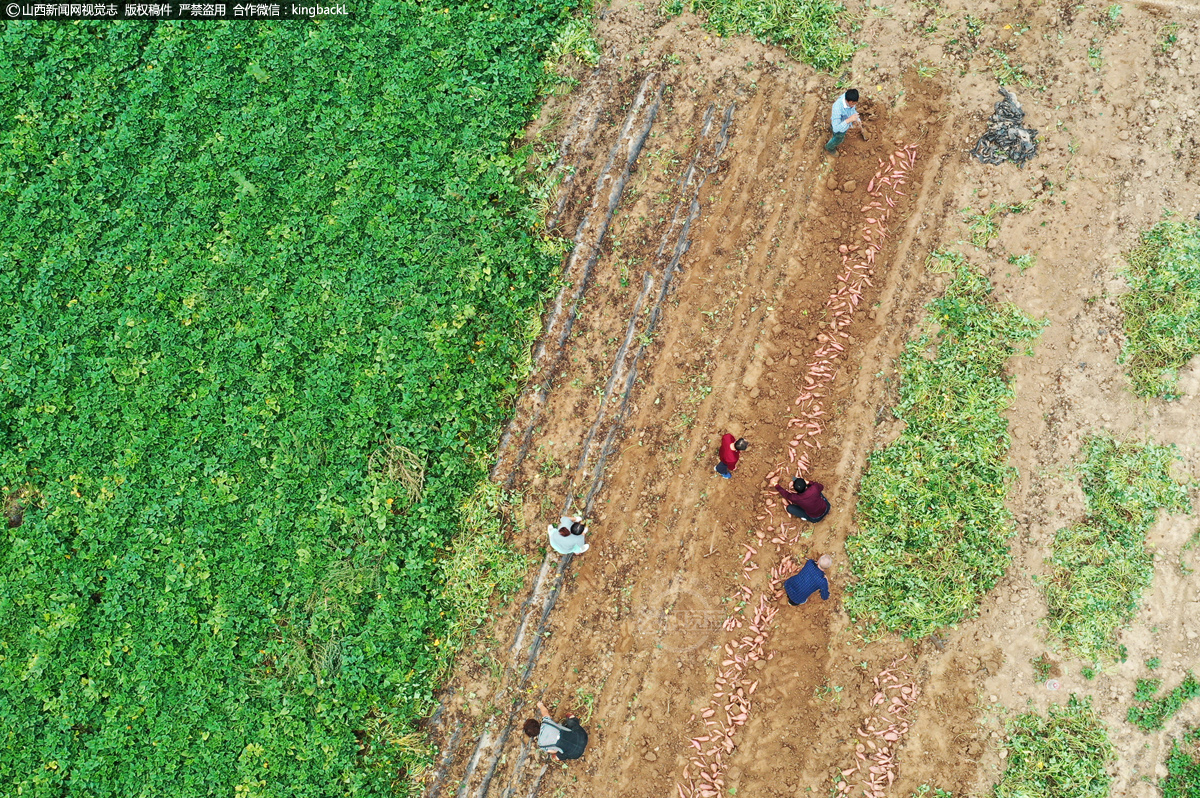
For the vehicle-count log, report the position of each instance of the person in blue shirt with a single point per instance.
(811, 578)
(843, 118)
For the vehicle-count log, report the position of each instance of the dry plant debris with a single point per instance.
(1006, 138)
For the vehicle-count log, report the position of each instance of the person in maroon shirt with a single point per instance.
(730, 451)
(805, 500)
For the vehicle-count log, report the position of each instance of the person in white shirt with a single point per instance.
(567, 537)
(842, 118)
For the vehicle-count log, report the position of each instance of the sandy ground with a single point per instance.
(693, 307)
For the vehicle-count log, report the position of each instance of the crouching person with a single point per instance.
(562, 741)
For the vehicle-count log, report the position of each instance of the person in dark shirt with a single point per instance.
(805, 500)
(810, 579)
(730, 451)
(566, 740)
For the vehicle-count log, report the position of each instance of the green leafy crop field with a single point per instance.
(1183, 767)
(1063, 754)
(265, 291)
(810, 30)
(1162, 308)
(1099, 568)
(933, 525)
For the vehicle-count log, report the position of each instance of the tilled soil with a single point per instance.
(706, 220)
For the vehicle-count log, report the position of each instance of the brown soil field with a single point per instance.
(706, 219)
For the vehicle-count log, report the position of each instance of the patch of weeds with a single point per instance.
(974, 27)
(576, 42)
(1153, 713)
(810, 30)
(1043, 668)
(686, 416)
(941, 261)
(1065, 754)
(586, 701)
(1088, 672)
(544, 184)
(1110, 20)
(1153, 663)
(665, 159)
(1095, 55)
(480, 563)
(828, 692)
(934, 16)
(548, 466)
(1145, 690)
(1022, 262)
(488, 660)
(1170, 35)
(1183, 767)
(984, 225)
(1184, 568)
(17, 501)
(925, 791)
(933, 521)
(1162, 309)
(399, 471)
(1008, 73)
(964, 47)
(1099, 568)
(926, 69)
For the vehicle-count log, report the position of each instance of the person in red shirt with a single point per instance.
(805, 500)
(730, 451)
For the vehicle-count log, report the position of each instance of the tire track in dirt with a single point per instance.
(589, 237)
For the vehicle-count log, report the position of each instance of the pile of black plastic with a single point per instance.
(1006, 139)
